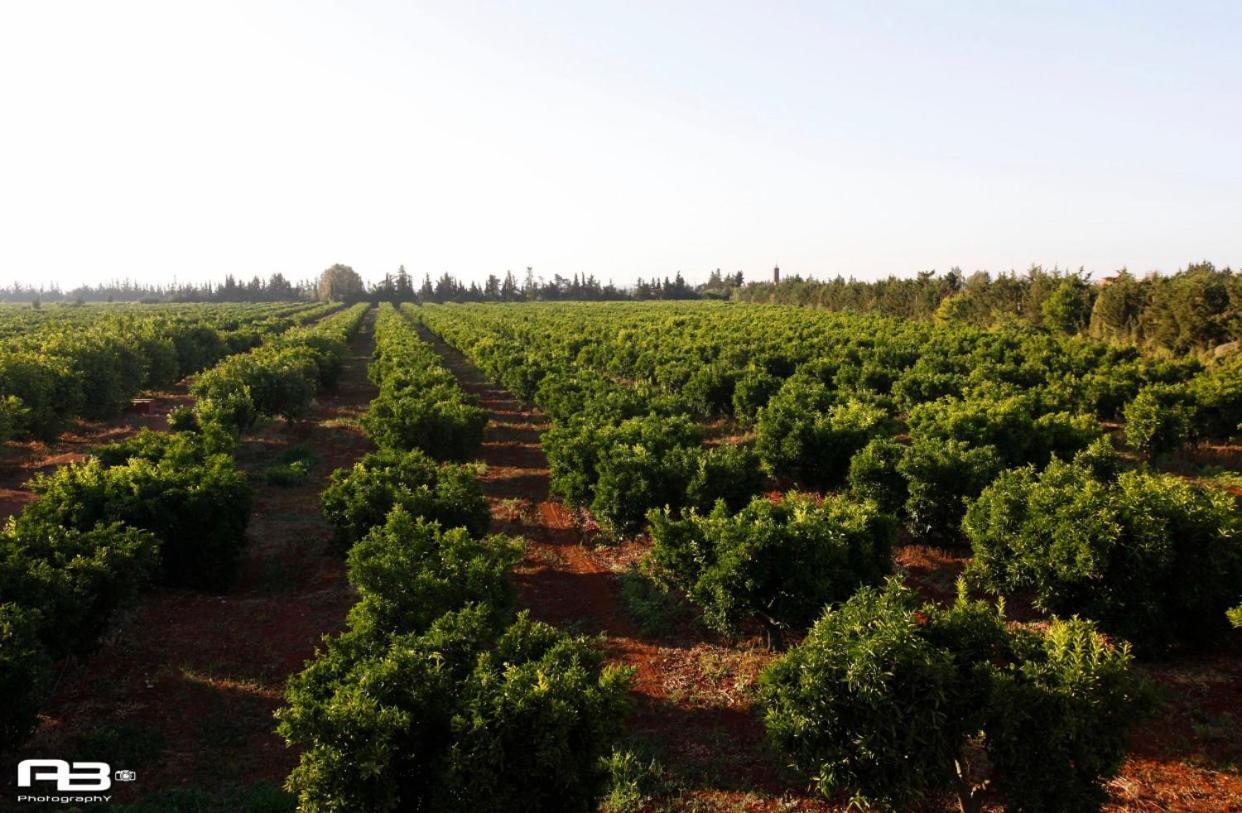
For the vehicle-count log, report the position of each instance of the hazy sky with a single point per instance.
(147, 139)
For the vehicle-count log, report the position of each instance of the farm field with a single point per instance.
(620, 408)
(617, 556)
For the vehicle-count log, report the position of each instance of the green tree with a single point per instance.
(779, 563)
(1150, 557)
(1118, 305)
(890, 702)
(1068, 308)
(1160, 419)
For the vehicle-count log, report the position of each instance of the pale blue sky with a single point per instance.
(147, 139)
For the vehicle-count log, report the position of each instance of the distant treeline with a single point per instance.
(398, 287)
(579, 287)
(1197, 308)
(274, 289)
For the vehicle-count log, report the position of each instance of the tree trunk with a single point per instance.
(776, 639)
(967, 800)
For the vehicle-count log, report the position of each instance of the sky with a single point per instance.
(162, 140)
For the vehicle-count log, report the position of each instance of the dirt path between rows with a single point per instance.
(691, 692)
(183, 688)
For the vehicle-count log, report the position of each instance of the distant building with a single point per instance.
(776, 275)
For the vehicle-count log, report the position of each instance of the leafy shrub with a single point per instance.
(926, 483)
(1160, 419)
(1217, 392)
(161, 367)
(292, 467)
(1019, 428)
(729, 472)
(442, 422)
(229, 407)
(60, 588)
(92, 365)
(874, 475)
(779, 563)
(286, 475)
(634, 779)
(543, 712)
(409, 572)
(276, 378)
(634, 479)
(709, 390)
(268, 381)
(787, 425)
(197, 348)
(850, 426)
(1107, 389)
(24, 669)
(650, 606)
(74, 579)
(805, 433)
(754, 388)
(1100, 459)
(563, 397)
(890, 702)
(941, 475)
(458, 718)
(146, 445)
(12, 417)
(572, 449)
(184, 448)
(182, 419)
(923, 382)
(361, 497)
(1151, 557)
(197, 510)
(107, 367)
(42, 394)
(623, 469)
(575, 449)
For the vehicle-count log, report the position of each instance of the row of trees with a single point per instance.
(169, 507)
(439, 695)
(1197, 308)
(342, 282)
(276, 288)
(89, 367)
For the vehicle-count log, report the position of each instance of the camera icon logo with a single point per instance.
(125, 776)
